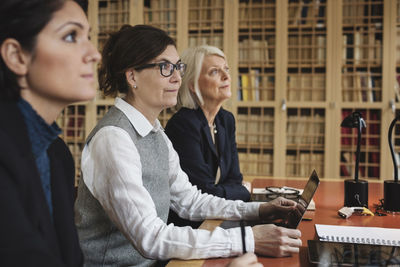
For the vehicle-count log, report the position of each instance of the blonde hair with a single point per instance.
(194, 57)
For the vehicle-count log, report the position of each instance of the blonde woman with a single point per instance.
(202, 132)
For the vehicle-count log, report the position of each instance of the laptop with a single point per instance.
(293, 218)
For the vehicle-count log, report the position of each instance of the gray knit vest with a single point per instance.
(102, 243)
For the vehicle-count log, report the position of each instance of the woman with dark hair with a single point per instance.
(46, 63)
(131, 174)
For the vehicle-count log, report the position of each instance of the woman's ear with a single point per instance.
(130, 78)
(14, 57)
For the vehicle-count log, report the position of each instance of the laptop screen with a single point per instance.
(294, 217)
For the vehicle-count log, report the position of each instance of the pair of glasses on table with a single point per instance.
(286, 192)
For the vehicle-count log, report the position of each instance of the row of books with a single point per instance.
(76, 151)
(254, 129)
(112, 15)
(72, 122)
(254, 51)
(370, 136)
(368, 167)
(256, 14)
(370, 142)
(160, 11)
(256, 163)
(306, 87)
(361, 12)
(254, 86)
(209, 39)
(206, 13)
(74, 128)
(307, 12)
(361, 86)
(300, 164)
(305, 130)
(362, 47)
(307, 49)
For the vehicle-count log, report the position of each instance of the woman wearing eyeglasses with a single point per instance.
(202, 132)
(131, 175)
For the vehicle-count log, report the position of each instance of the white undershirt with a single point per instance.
(213, 131)
(113, 173)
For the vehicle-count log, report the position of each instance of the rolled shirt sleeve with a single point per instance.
(111, 170)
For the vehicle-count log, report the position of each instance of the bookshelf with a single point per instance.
(161, 14)
(362, 75)
(297, 66)
(72, 121)
(206, 22)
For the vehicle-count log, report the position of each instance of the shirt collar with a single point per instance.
(40, 133)
(138, 120)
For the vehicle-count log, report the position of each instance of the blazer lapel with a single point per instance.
(220, 136)
(61, 199)
(206, 130)
(207, 133)
(221, 141)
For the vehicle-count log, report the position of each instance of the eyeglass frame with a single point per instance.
(274, 192)
(161, 64)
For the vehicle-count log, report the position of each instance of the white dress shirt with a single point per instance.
(112, 172)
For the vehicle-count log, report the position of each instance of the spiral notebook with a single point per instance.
(358, 234)
(347, 254)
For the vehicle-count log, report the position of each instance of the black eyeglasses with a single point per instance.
(166, 68)
(286, 192)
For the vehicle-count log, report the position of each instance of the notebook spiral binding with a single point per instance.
(369, 241)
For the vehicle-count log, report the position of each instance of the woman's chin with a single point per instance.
(170, 104)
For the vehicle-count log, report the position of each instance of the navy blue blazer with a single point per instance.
(190, 135)
(28, 234)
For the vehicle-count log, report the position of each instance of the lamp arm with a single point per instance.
(396, 172)
(358, 149)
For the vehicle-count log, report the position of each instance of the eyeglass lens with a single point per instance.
(167, 68)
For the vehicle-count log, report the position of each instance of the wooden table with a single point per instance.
(329, 199)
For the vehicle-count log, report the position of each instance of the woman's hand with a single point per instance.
(275, 241)
(276, 209)
(246, 260)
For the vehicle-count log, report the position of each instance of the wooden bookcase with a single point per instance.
(298, 68)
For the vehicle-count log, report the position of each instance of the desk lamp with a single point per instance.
(392, 188)
(355, 191)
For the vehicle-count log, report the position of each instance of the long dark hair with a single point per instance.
(22, 20)
(129, 47)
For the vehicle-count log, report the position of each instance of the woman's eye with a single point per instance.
(164, 66)
(70, 37)
(214, 72)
